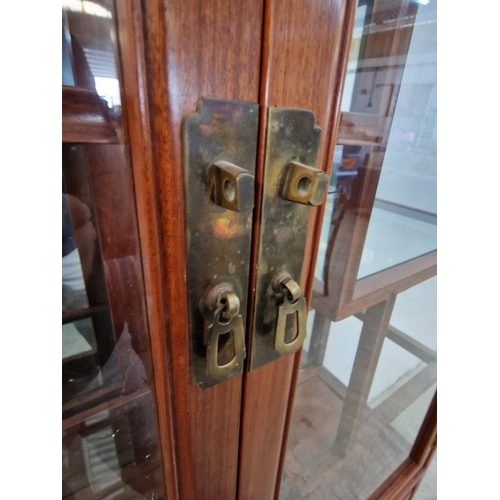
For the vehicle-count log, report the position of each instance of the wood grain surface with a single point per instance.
(137, 122)
(302, 46)
(195, 49)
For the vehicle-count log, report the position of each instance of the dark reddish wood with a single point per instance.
(408, 343)
(85, 117)
(341, 287)
(123, 402)
(195, 49)
(112, 183)
(78, 184)
(135, 106)
(300, 56)
(403, 485)
(111, 190)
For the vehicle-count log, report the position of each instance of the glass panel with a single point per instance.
(361, 398)
(388, 137)
(403, 220)
(367, 381)
(110, 442)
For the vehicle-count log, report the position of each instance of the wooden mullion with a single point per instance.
(363, 371)
(194, 50)
(408, 343)
(266, 411)
(85, 117)
(137, 125)
(120, 402)
(376, 288)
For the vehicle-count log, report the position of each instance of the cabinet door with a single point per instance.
(111, 445)
(352, 416)
(347, 63)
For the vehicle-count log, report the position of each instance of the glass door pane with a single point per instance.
(110, 442)
(368, 379)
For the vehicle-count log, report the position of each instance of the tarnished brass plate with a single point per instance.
(292, 138)
(218, 238)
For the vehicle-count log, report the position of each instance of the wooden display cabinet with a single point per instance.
(134, 423)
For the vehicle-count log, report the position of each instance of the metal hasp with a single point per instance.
(227, 323)
(219, 157)
(291, 185)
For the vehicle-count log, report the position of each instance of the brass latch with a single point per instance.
(220, 150)
(292, 184)
(226, 321)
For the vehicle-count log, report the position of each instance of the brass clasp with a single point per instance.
(293, 303)
(226, 319)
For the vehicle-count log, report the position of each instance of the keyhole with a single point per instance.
(304, 186)
(229, 191)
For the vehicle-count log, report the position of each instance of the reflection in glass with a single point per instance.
(360, 403)
(403, 220)
(367, 381)
(110, 442)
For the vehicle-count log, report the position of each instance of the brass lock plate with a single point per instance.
(220, 148)
(291, 185)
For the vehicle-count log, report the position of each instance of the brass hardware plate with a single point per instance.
(292, 147)
(219, 154)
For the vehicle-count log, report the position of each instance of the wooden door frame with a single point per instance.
(341, 294)
(285, 81)
(263, 427)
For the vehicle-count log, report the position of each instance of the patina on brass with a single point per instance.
(291, 155)
(219, 140)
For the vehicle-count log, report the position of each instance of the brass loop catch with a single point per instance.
(225, 306)
(230, 305)
(283, 284)
(293, 303)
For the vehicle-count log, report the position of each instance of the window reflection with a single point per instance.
(367, 380)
